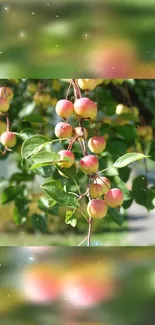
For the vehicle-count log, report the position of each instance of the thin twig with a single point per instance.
(83, 241)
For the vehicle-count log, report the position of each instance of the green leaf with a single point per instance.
(9, 194)
(44, 159)
(152, 150)
(22, 177)
(116, 216)
(69, 172)
(129, 117)
(116, 147)
(139, 189)
(127, 204)
(33, 145)
(70, 218)
(45, 204)
(128, 158)
(39, 222)
(35, 118)
(124, 173)
(56, 192)
(27, 110)
(21, 210)
(122, 186)
(128, 132)
(26, 133)
(45, 171)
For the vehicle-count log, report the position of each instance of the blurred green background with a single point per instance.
(55, 39)
(40, 285)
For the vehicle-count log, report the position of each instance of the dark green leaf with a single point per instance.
(139, 190)
(9, 194)
(152, 151)
(39, 222)
(116, 147)
(127, 204)
(69, 172)
(127, 131)
(22, 177)
(122, 186)
(124, 173)
(34, 118)
(21, 210)
(129, 117)
(58, 194)
(116, 216)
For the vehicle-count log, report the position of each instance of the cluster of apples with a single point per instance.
(123, 109)
(84, 108)
(7, 138)
(43, 98)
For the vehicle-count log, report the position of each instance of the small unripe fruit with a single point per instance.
(38, 98)
(2, 127)
(104, 182)
(97, 208)
(4, 104)
(46, 98)
(64, 108)
(78, 131)
(63, 130)
(120, 121)
(85, 108)
(66, 154)
(149, 129)
(56, 85)
(88, 84)
(114, 198)
(95, 191)
(135, 111)
(121, 109)
(107, 120)
(149, 137)
(97, 144)
(54, 101)
(31, 87)
(6, 92)
(142, 131)
(8, 139)
(89, 164)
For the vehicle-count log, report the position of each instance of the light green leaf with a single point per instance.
(33, 145)
(44, 159)
(26, 133)
(128, 159)
(70, 218)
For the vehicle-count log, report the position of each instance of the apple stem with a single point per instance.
(89, 232)
(7, 123)
(90, 218)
